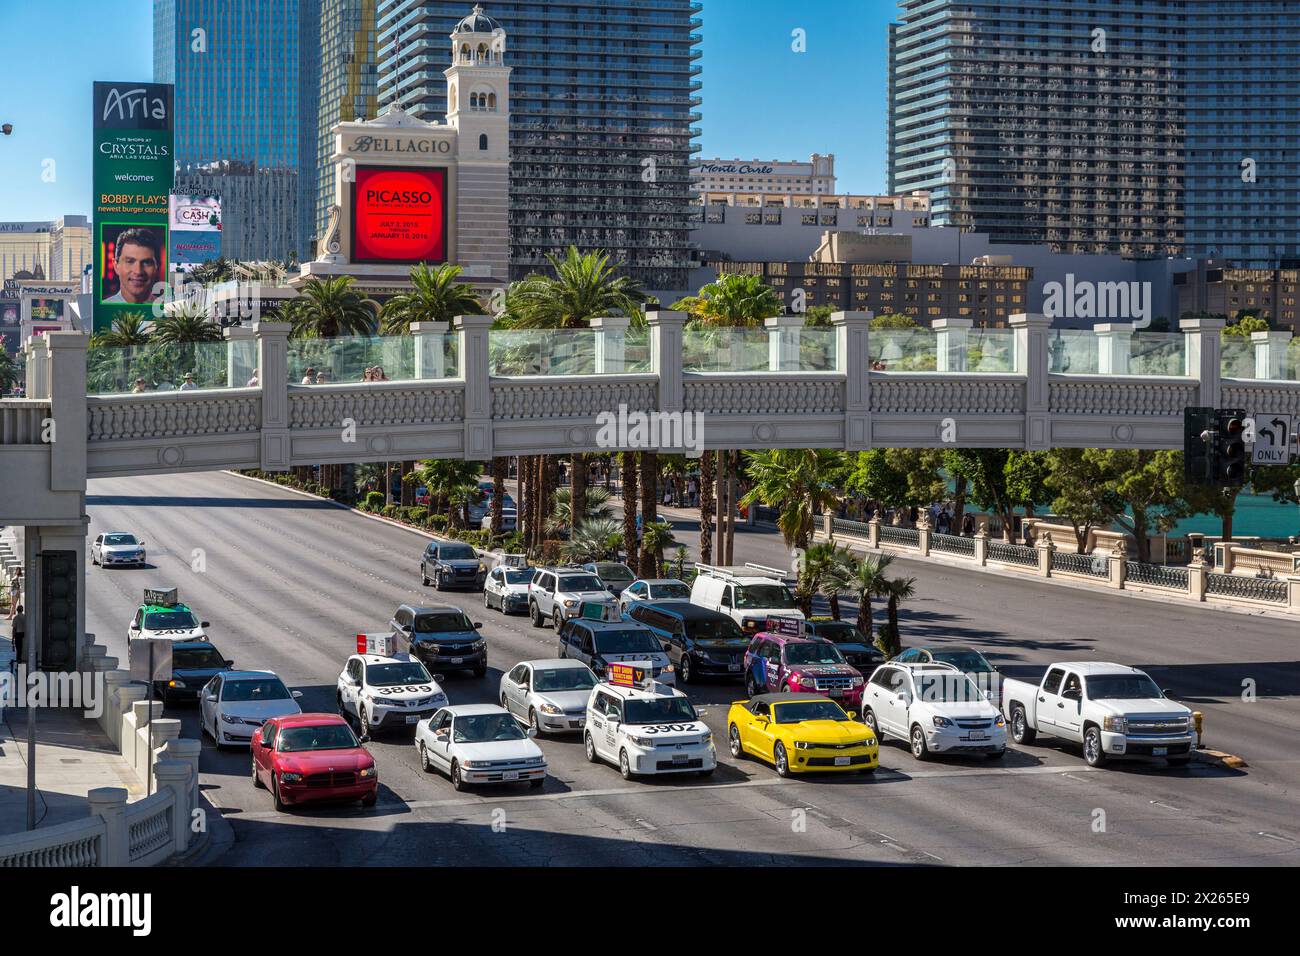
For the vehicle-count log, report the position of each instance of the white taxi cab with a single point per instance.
(645, 727)
(382, 690)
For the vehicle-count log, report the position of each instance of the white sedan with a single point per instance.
(479, 743)
(550, 696)
(654, 589)
(234, 705)
(506, 588)
(117, 547)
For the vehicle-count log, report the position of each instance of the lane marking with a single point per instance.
(1157, 803)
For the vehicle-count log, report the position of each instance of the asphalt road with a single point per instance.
(287, 582)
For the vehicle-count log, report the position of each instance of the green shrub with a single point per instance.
(374, 501)
(390, 511)
(438, 522)
(418, 515)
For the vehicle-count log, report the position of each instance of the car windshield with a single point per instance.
(674, 590)
(967, 661)
(120, 539)
(446, 622)
(186, 658)
(563, 678)
(255, 689)
(627, 642)
(581, 582)
(456, 552)
(387, 675)
(520, 576)
(481, 728)
(764, 595)
(169, 620)
(614, 572)
(324, 737)
(1122, 687)
(659, 710)
(721, 631)
(945, 686)
(841, 633)
(813, 652)
(798, 710)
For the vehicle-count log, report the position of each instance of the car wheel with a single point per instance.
(257, 781)
(437, 586)
(624, 767)
(997, 754)
(920, 749)
(1093, 754)
(424, 578)
(280, 805)
(709, 771)
(533, 722)
(734, 745)
(781, 759)
(370, 800)
(534, 614)
(785, 687)
(338, 702)
(93, 560)
(363, 722)
(557, 622)
(1021, 732)
(685, 666)
(869, 718)
(751, 688)
(457, 781)
(590, 746)
(537, 784)
(216, 738)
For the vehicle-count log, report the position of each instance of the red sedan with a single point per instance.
(308, 757)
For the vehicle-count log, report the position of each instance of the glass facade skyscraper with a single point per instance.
(603, 97)
(244, 72)
(1146, 129)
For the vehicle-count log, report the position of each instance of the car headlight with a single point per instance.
(570, 603)
(999, 721)
(1118, 725)
(439, 700)
(477, 764)
(804, 745)
(640, 741)
(707, 738)
(856, 681)
(176, 683)
(550, 709)
(291, 778)
(942, 721)
(231, 719)
(368, 773)
(667, 669)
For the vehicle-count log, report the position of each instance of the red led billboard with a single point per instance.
(399, 214)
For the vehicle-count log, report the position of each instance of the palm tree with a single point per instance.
(435, 296)
(824, 570)
(585, 286)
(8, 372)
(649, 507)
(127, 331)
(450, 482)
(331, 307)
(500, 466)
(896, 591)
(628, 472)
(796, 482)
(594, 540)
(597, 506)
(867, 580)
(706, 506)
(656, 537)
(185, 324)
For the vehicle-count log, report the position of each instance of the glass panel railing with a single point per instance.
(725, 350)
(903, 350)
(380, 358)
(158, 367)
(543, 352)
(1237, 357)
(636, 349)
(991, 350)
(1290, 364)
(1157, 353)
(1072, 352)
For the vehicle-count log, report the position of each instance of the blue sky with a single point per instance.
(762, 100)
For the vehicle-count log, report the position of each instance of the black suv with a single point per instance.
(442, 637)
(698, 641)
(451, 564)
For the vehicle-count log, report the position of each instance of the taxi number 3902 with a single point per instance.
(668, 728)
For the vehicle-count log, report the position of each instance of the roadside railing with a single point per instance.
(1088, 565)
(76, 843)
(1005, 553)
(1157, 575)
(1249, 589)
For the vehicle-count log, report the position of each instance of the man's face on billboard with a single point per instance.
(137, 270)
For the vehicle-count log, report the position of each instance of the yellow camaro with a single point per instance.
(800, 733)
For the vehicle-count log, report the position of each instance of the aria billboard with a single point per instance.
(399, 215)
(132, 176)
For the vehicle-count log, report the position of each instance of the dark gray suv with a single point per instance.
(451, 564)
(441, 636)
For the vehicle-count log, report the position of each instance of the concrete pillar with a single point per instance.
(666, 358)
(186, 750)
(982, 547)
(1118, 565)
(241, 355)
(67, 392)
(828, 525)
(108, 803)
(472, 368)
(853, 361)
(873, 531)
(273, 378)
(1032, 362)
(1046, 548)
(1203, 356)
(1270, 354)
(953, 343)
(611, 343)
(429, 353)
(1293, 592)
(1197, 574)
(38, 368)
(783, 342)
(923, 533)
(174, 775)
(114, 681)
(1114, 345)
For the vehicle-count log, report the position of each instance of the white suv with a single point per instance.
(935, 708)
(557, 594)
(384, 692)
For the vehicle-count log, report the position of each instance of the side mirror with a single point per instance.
(478, 625)
(532, 731)
(906, 698)
(364, 738)
(205, 623)
(438, 678)
(229, 663)
(211, 698)
(297, 694)
(1167, 692)
(853, 714)
(442, 738)
(142, 544)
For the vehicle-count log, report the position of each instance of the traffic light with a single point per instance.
(1199, 424)
(1230, 448)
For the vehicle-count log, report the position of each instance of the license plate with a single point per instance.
(1159, 751)
(510, 775)
(412, 718)
(837, 693)
(680, 758)
(841, 761)
(734, 668)
(457, 660)
(978, 735)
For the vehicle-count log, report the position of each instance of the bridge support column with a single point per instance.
(611, 343)
(472, 359)
(1203, 351)
(666, 358)
(241, 355)
(783, 342)
(1032, 362)
(429, 351)
(1270, 353)
(853, 361)
(1114, 344)
(952, 343)
(273, 379)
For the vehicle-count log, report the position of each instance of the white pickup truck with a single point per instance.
(1112, 710)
